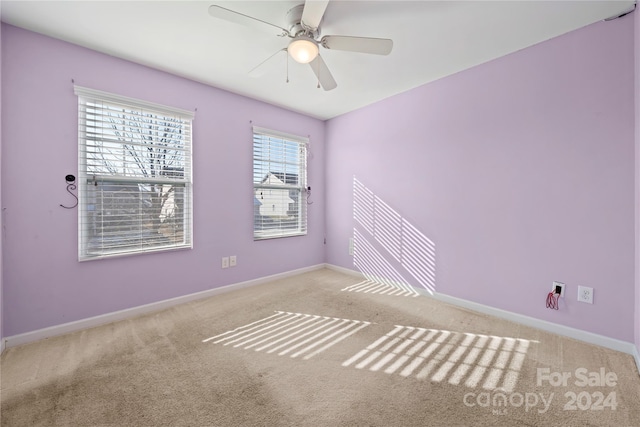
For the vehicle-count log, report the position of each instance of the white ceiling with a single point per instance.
(432, 39)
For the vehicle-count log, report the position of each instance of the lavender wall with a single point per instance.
(517, 172)
(44, 284)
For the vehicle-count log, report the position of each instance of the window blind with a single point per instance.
(134, 176)
(279, 184)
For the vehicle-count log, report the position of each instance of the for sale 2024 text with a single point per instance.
(582, 377)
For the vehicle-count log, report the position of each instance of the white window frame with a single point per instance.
(273, 173)
(110, 124)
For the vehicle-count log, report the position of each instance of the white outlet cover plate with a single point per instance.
(585, 294)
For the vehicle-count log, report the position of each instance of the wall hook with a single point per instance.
(71, 185)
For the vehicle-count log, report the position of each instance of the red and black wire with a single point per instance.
(553, 300)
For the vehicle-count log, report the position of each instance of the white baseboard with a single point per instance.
(556, 328)
(65, 328)
(589, 337)
(345, 270)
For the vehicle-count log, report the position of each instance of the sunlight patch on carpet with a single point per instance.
(473, 360)
(293, 334)
(373, 287)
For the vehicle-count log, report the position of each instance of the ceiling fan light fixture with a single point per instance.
(303, 49)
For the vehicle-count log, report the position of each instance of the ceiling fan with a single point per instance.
(303, 23)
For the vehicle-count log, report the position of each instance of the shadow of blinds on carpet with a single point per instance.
(293, 334)
(474, 360)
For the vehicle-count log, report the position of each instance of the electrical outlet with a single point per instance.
(585, 294)
(225, 262)
(232, 261)
(351, 246)
(557, 285)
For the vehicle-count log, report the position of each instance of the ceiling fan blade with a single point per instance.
(260, 70)
(313, 12)
(323, 74)
(246, 20)
(358, 44)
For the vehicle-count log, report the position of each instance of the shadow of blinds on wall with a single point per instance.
(387, 247)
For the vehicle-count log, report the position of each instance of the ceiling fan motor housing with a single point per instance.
(294, 23)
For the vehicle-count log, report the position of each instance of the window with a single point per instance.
(134, 176)
(279, 184)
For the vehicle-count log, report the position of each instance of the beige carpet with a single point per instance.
(313, 351)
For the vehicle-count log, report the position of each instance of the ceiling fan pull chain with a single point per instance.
(287, 67)
(318, 74)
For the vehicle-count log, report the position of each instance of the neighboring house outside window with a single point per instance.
(279, 183)
(134, 176)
